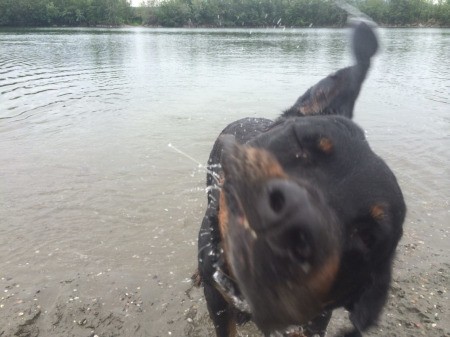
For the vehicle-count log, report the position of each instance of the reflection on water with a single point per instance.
(86, 116)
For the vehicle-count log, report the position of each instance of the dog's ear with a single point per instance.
(336, 94)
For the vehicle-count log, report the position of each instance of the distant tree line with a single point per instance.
(64, 12)
(219, 13)
(296, 13)
(407, 12)
(243, 13)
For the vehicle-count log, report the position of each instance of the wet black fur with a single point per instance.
(364, 277)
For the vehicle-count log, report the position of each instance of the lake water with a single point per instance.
(89, 185)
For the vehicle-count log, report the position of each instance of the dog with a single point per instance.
(302, 216)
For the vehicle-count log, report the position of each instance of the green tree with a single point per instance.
(228, 13)
(173, 13)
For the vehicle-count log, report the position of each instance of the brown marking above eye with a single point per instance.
(377, 212)
(261, 164)
(325, 145)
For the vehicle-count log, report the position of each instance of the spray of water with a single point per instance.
(200, 166)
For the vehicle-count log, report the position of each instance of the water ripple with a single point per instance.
(26, 90)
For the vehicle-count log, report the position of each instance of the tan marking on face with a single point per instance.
(377, 212)
(224, 223)
(323, 278)
(223, 216)
(261, 165)
(325, 145)
(223, 228)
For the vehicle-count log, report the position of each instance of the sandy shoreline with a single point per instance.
(113, 303)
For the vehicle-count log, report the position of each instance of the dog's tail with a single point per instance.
(365, 43)
(336, 94)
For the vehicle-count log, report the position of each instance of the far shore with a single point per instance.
(415, 25)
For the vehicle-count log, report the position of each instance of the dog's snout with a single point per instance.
(284, 202)
(291, 218)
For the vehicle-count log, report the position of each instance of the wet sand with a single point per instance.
(129, 303)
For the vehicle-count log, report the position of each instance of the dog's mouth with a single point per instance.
(280, 239)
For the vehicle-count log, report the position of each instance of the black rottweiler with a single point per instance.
(302, 216)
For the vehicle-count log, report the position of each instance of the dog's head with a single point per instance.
(296, 201)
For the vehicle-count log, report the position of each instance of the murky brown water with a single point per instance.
(89, 186)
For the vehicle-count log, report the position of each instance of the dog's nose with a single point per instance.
(291, 217)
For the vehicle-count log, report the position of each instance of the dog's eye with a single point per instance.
(312, 147)
(362, 237)
(366, 237)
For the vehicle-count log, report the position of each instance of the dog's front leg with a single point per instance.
(318, 326)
